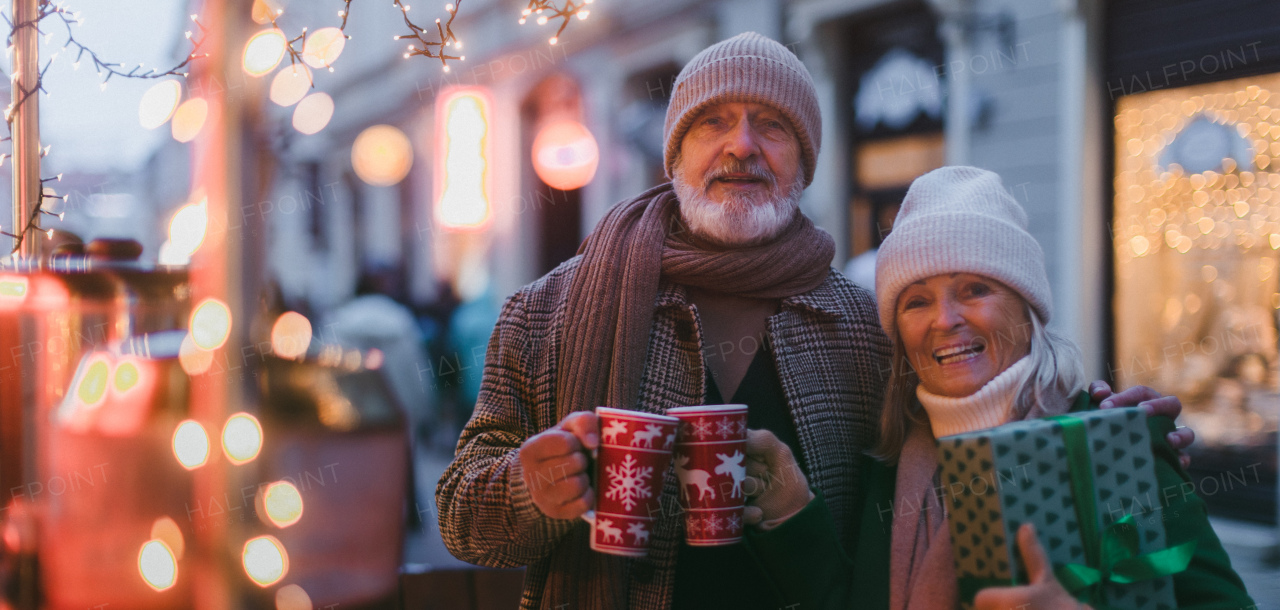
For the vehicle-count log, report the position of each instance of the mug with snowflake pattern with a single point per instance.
(635, 451)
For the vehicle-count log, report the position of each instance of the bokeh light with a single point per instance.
(159, 103)
(157, 565)
(264, 11)
(291, 335)
(292, 597)
(241, 438)
(313, 113)
(290, 85)
(323, 47)
(282, 504)
(191, 444)
(167, 531)
(565, 155)
(92, 388)
(13, 289)
(210, 324)
(382, 155)
(189, 119)
(263, 52)
(464, 158)
(194, 361)
(187, 230)
(265, 560)
(126, 376)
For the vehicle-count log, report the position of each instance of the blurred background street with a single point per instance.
(256, 248)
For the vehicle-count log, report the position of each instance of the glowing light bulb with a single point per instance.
(291, 334)
(323, 47)
(189, 119)
(282, 504)
(290, 85)
(242, 438)
(293, 597)
(194, 360)
(159, 103)
(157, 565)
(313, 113)
(126, 377)
(265, 560)
(191, 444)
(382, 155)
(92, 388)
(210, 324)
(263, 52)
(166, 530)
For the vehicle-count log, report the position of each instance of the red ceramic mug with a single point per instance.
(710, 460)
(635, 451)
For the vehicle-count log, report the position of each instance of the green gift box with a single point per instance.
(1087, 481)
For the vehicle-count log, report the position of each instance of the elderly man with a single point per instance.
(711, 289)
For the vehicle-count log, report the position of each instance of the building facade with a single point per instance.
(1073, 103)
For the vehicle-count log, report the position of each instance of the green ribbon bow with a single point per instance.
(1112, 556)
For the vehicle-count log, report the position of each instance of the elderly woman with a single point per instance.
(963, 294)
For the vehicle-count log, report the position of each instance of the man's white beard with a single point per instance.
(742, 220)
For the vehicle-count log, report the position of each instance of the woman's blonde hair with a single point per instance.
(1057, 373)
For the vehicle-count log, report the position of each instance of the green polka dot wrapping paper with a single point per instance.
(993, 481)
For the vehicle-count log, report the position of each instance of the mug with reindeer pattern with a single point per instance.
(710, 460)
(635, 451)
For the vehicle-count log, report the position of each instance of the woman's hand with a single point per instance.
(775, 485)
(1044, 592)
(1155, 404)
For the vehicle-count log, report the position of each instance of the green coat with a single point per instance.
(810, 569)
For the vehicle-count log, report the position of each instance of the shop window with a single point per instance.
(1196, 233)
(894, 112)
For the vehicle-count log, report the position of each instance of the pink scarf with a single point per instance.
(922, 571)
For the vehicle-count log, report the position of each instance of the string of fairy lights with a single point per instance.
(544, 11)
(433, 42)
(60, 14)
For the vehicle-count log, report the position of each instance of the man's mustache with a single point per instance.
(739, 168)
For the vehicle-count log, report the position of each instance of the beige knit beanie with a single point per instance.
(746, 68)
(960, 220)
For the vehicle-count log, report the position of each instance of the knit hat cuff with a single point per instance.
(746, 68)
(959, 242)
(808, 160)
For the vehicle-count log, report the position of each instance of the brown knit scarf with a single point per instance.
(611, 298)
(611, 306)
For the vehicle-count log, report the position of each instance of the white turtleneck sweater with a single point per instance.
(989, 407)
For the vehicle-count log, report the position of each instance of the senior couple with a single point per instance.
(846, 395)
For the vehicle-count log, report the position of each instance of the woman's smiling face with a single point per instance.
(960, 330)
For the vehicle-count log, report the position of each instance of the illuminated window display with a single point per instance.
(1197, 241)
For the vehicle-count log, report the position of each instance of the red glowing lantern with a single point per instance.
(565, 155)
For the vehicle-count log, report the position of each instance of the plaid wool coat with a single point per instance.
(832, 358)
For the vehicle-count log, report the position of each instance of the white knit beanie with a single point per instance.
(746, 68)
(960, 220)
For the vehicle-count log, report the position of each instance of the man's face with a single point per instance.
(738, 173)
